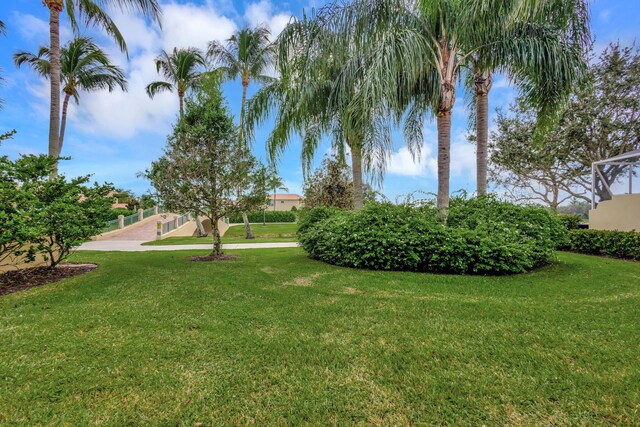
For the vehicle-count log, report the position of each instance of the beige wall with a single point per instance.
(621, 213)
(285, 205)
(12, 263)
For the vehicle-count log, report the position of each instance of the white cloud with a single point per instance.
(462, 154)
(32, 28)
(186, 25)
(263, 12)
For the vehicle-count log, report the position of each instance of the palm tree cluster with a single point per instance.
(352, 70)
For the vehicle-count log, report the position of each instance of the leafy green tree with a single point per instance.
(92, 13)
(415, 52)
(248, 54)
(329, 186)
(48, 216)
(83, 67)
(536, 171)
(206, 169)
(147, 201)
(600, 121)
(182, 70)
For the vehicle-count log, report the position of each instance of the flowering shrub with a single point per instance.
(482, 236)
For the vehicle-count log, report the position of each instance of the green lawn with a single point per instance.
(235, 234)
(275, 338)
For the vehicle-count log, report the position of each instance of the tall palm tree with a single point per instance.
(92, 12)
(248, 54)
(312, 100)
(83, 67)
(182, 70)
(3, 29)
(549, 33)
(276, 182)
(416, 52)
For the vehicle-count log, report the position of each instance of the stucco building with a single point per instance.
(285, 202)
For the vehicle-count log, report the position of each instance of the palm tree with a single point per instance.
(416, 52)
(248, 54)
(276, 182)
(550, 33)
(3, 29)
(91, 12)
(181, 70)
(83, 66)
(312, 100)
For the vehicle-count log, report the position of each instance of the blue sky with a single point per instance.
(115, 135)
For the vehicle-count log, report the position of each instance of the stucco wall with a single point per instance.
(621, 213)
(285, 205)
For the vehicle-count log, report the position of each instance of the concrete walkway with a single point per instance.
(136, 246)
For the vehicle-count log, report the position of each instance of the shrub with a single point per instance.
(618, 244)
(309, 217)
(571, 222)
(266, 216)
(483, 236)
(114, 213)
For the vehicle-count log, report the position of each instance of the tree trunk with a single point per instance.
(181, 99)
(245, 85)
(200, 231)
(356, 169)
(247, 227)
(483, 81)
(215, 231)
(444, 160)
(55, 7)
(63, 122)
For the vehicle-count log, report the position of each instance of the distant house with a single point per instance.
(285, 202)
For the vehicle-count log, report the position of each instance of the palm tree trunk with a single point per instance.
(356, 169)
(245, 85)
(444, 160)
(55, 7)
(181, 100)
(63, 122)
(483, 82)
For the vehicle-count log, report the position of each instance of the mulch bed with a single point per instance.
(20, 280)
(213, 258)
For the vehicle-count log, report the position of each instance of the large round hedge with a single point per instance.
(482, 236)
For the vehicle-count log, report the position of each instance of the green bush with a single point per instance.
(309, 217)
(114, 213)
(618, 244)
(571, 222)
(266, 216)
(482, 236)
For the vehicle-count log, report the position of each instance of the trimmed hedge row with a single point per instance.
(618, 244)
(266, 216)
(482, 236)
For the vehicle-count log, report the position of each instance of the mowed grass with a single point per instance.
(268, 233)
(275, 338)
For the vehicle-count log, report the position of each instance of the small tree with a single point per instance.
(49, 216)
(600, 121)
(205, 168)
(330, 186)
